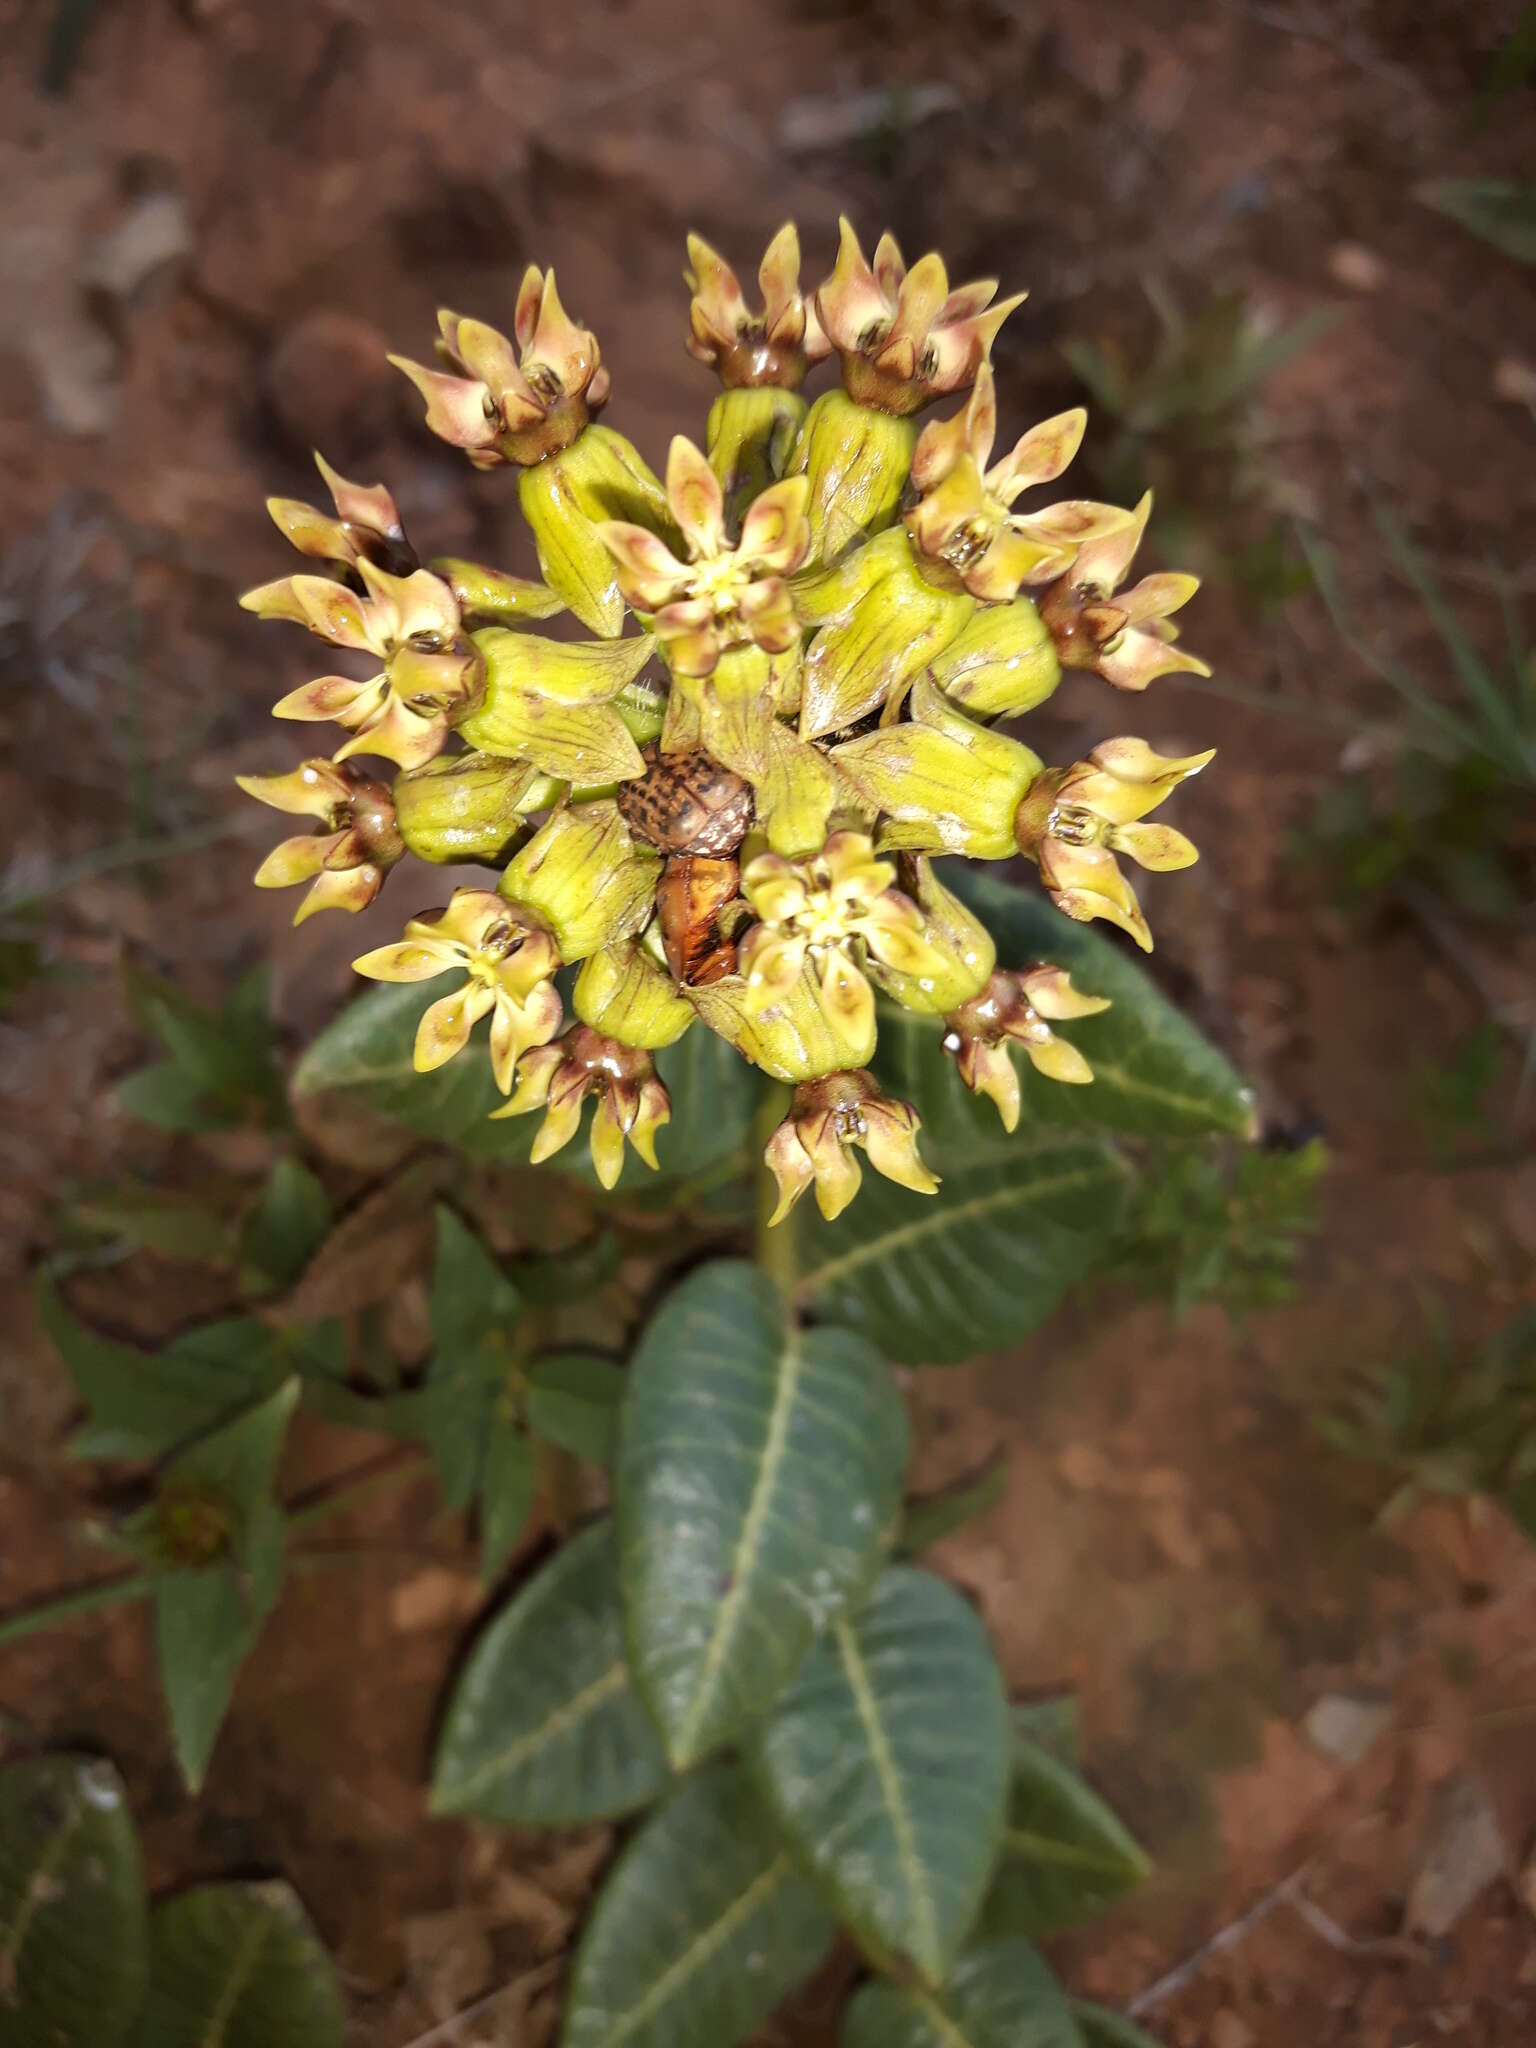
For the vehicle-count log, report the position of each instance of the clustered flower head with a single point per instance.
(721, 809)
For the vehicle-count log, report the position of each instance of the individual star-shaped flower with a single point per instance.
(632, 1100)
(774, 346)
(1073, 821)
(411, 624)
(722, 596)
(815, 1143)
(505, 403)
(1126, 635)
(346, 863)
(904, 337)
(367, 525)
(826, 909)
(965, 518)
(1013, 1010)
(507, 963)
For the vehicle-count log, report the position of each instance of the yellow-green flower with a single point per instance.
(1014, 1009)
(828, 910)
(411, 624)
(1073, 822)
(1125, 635)
(345, 864)
(903, 336)
(964, 517)
(722, 596)
(508, 965)
(502, 402)
(632, 1100)
(746, 347)
(815, 1144)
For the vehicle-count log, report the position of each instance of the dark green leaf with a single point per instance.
(573, 1399)
(238, 1966)
(1098, 2027)
(1065, 1856)
(475, 1308)
(286, 1228)
(1001, 1996)
(934, 1279)
(1053, 1724)
(759, 1481)
(208, 1616)
(72, 1909)
(470, 1292)
(859, 1763)
(143, 1403)
(507, 1490)
(703, 1927)
(168, 1097)
(937, 1515)
(544, 1728)
(1153, 1072)
(573, 1276)
(1501, 210)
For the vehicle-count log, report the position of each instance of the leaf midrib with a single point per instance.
(565, 1716)
(33, 1893)
(241, 1970)
(1033, 1848)
(927, 1943)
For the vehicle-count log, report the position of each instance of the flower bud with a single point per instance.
(632, 1102)
(550, 702)
(959, 953)
(584, 876)
(621, 992)
(945, 784)
(815, 1143)
(1012, 1010)
(1001, 663)
(861, 661)
(855, 462)
(599, 476)
(468, 807)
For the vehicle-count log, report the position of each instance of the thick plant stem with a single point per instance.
(774, 1244)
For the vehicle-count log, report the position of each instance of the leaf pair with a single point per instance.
(85, 1962)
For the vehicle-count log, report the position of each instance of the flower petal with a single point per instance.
(446, 1024)
(413, 959)
(456, 406)
(343, 698)
(697, 502)
(775, 534)
(312, 790)
(1039, 456)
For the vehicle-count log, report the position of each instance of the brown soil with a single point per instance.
(1176, 1543)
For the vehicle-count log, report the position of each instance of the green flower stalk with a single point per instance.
(723, 810)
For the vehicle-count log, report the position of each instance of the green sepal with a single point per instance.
(856, 460)
(1002, 663)
(873, 652)
(795, 793)
(623, 993)
(748, 440)
(598, 476)
(585, 877)
(491, 594)
(550, 702)
(468, 807)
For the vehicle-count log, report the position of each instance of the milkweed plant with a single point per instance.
(728, 770)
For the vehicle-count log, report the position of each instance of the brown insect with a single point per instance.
(687, 803)
(689, 899)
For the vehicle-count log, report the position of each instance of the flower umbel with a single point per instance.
(1073, 822)
(1013, 1009)
(1127, 637)
(345, 864)
(411, 624)
(774, 346)
(722, 596)
(505, 403)
(508, 966)
(829, 909)
(964, 518)
(815, 1143)
(904, 337)
(632, 1101)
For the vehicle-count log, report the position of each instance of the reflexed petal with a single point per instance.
(1103, 563)
(351, 890)
(849, 999)
(606, 1140)
(1123, 779)
(421, 602)
(536, 1070)
(967, 300)
(890, 1139)
(525, 318)
(294, 860)
(963, 347)
(650, 575)
(562, 1120)
(311, 532)
(1039, 456)
(774, 887)
(894, 932)
(693, 652)
(849, 859)
(987, 1070)
(1157, 847)
(765, 609)
(694, 494)
(1049, 990)
(464, 920)
(412, 959)
(366, 505)
(771, 960)
(342, 698)
(335, 614)
(851, 298)
(838, 1179)
(446, 1024)
(399, 734)
(1014, 559)
(1057, 1059)
(655, 1110)
(775, 533)
(456, 406)
(1140, 658)
(279, 600)
(515, 1027)
(312, 790)
(1085, 882)
(1154, 597)
(944, 443)
(790, 1164)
